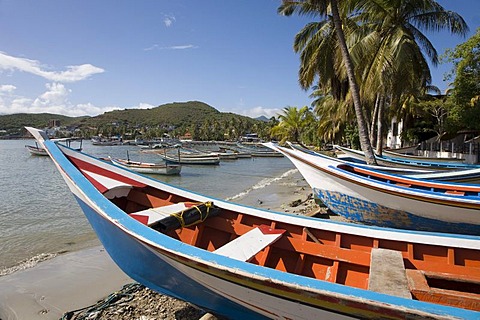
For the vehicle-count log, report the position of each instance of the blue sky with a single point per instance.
(87, 57)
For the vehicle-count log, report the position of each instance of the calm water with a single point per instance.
(40, 218)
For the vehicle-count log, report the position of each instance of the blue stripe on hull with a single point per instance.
(147, 268)
(359, 210)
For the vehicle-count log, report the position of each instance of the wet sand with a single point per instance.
(79, 279)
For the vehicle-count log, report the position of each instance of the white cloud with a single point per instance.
(188, 46)
(55, 100)
(72, 74)
(256, 112)
(261, 111)
(143, 105)
(55, 96)
(7, 88)
(181, 47)
(168, 20)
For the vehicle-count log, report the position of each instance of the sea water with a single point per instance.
(39, 217)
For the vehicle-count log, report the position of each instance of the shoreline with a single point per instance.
(79, 279)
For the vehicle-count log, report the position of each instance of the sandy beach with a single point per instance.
(79, 279)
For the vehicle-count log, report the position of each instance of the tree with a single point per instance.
(324, 8)
(395, 49)
(293, 123)
(386, 52)
(464, 100)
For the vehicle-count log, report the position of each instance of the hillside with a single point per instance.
(177, 114)
(39, 120)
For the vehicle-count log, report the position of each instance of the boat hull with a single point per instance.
(382, 204)
(409, 163)
(148, 168)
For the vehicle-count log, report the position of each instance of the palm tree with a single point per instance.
(324, 7)
(293, 122)
(384, 42)
(395, 49)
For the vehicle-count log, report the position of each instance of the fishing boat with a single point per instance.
(258, 151)
(407, 163)
(388, 200)
(36, 150)
(147, 167)
(245, 263)
(194, 159)
(471, 176)
(399, 155)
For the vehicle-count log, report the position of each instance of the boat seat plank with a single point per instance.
(249, 244)
(387, 273)
(152, 215)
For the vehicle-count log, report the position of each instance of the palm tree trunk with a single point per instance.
(374, 122)
(362, 127)
(381, 107)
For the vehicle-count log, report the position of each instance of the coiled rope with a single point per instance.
(125, 294)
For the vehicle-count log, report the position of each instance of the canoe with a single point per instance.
(147, 167)
(407, 163)
(388, 200)
(210, 160)
(393, 154)
(36, 151)
(39, 151)
(245, 263)
(471, 176)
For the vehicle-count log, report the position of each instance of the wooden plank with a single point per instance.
(387, 273)
(152, 215)
(249, 244)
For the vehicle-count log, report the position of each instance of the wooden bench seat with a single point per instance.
(249, 244)
(152, 215)
(387, 273)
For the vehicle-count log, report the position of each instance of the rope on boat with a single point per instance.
(179, 216)
(125, 294)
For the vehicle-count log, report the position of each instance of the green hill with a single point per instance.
(176, 114)
(40, 120)
(182, 116)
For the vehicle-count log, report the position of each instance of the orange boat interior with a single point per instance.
(438, 274)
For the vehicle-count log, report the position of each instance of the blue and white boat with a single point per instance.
(370, 196)
(409, 162)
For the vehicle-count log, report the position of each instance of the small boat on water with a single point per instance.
(245, 263)
(36, 150)
(147, 167)
(407, 163)
(258, 151)
(188, 158)
(388, 200)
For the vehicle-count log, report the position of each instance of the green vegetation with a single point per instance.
(202, 121)
(13, 123)
(367, 62)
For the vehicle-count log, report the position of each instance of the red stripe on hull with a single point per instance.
(83, 165)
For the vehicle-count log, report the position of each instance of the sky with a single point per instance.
(87, 57)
